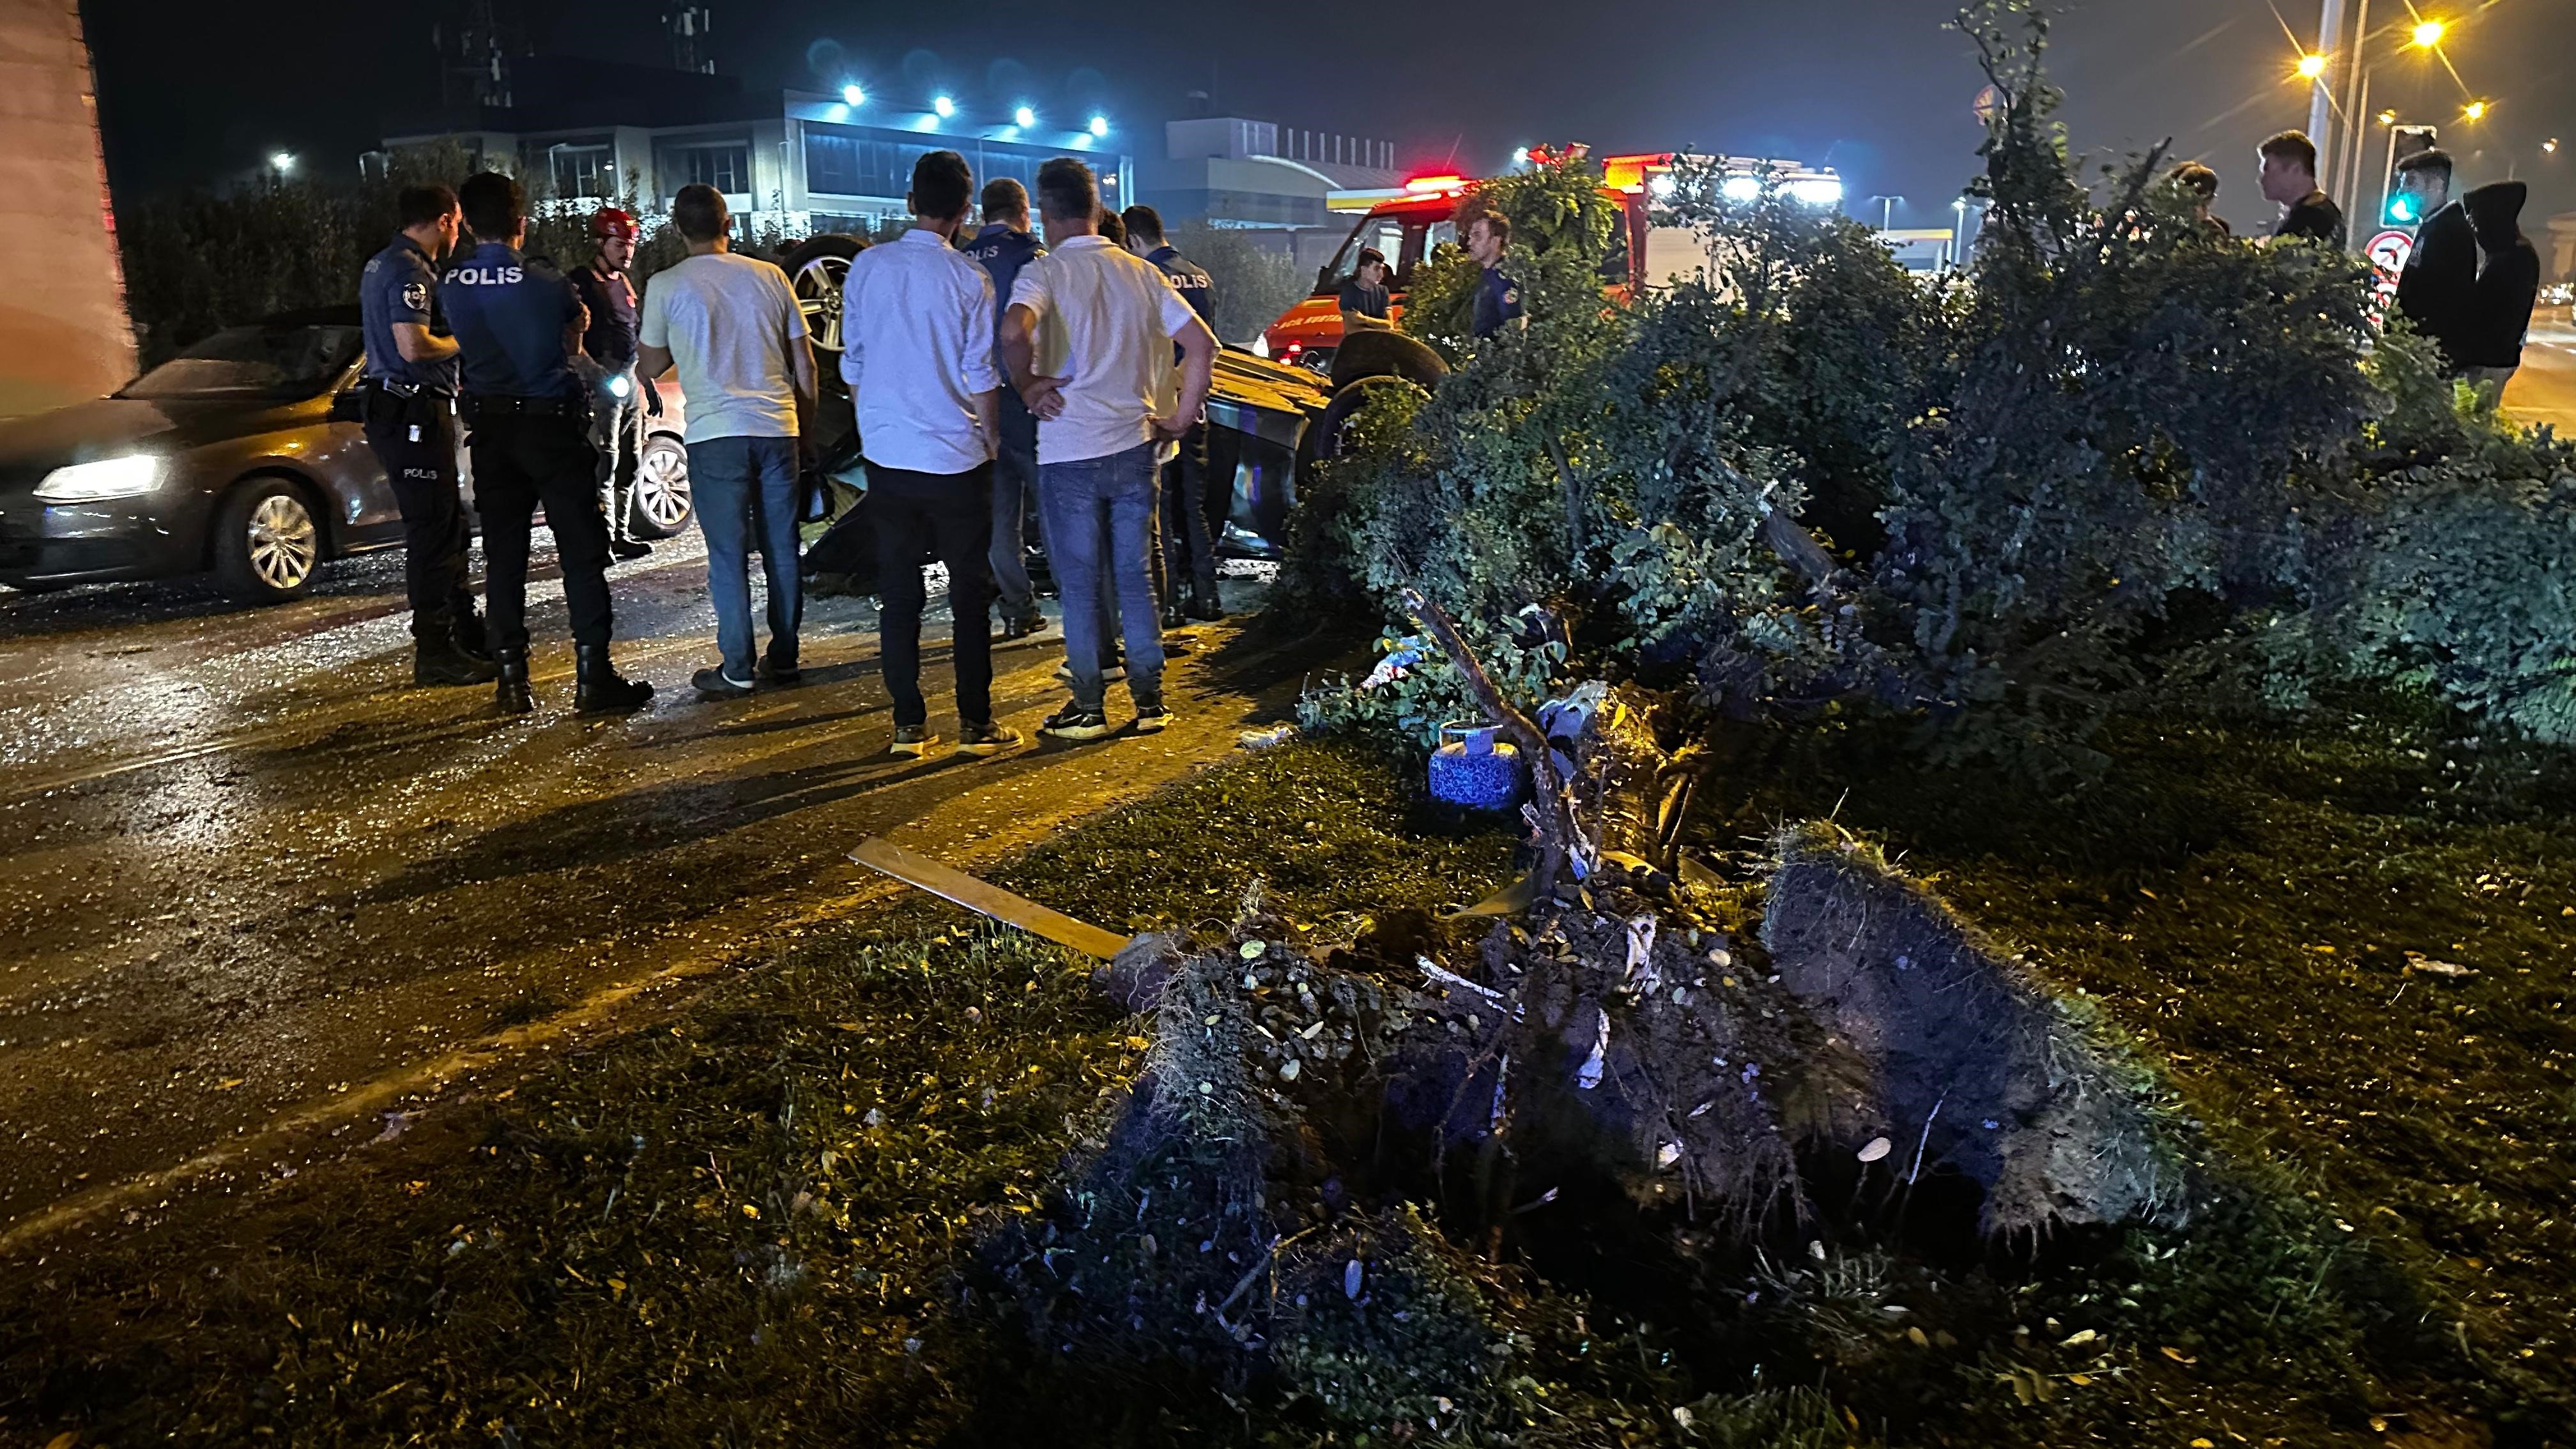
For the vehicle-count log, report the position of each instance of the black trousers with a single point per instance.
(950, 517)
(414, 440)
(521, 461)
(1189, 551)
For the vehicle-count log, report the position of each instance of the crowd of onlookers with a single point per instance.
(2471, 277)
(990, 377)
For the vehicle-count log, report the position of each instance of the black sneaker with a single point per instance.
(627, 550)
(716, 684)
(1073, 722)
(912, 741)
(1109, 673)
(988, 739)
(1151, 717)
(778, 671)
(1023, 626)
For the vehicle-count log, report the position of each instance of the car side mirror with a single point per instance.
(1324, 277)
(348, 405)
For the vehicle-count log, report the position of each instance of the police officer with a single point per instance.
(518, 324)
(1188, 530)
(610, 295)
(1003, 247)
(409, 408)
(1498, 297)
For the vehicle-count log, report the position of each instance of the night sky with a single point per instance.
(1878, 88)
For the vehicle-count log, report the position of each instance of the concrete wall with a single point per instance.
(63, 330)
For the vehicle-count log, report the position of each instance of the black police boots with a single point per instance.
(470, 635)
(597, 687)
(513, 694)
(437, 659)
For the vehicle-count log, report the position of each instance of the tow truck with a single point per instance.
(1405, 224)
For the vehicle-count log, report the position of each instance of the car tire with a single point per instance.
(816, 269)
(660, 503)
(268, 541)
(1375, 352)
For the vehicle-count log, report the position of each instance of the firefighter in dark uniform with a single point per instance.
(518, 324)
(1189, 530)
(408, 404)
(609, 293)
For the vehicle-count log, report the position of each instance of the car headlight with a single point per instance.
(126, 477)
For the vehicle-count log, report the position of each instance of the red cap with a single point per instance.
(609, 221)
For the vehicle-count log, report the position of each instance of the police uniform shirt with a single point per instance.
(400, 286)
(1498, 300)
(1002, 251)
(509, 314)
(1363, 299)
(610, 296)
(1195, 286)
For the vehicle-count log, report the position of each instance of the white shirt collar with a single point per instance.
(1087, 239)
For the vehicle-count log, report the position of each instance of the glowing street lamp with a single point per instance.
(283, 163)
(2550, 146)
(1024, 118)
(2429, 33)
(851, 95)
(2475, 110)
(943, 106)
(2311, 66)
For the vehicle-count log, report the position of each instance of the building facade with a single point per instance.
(789, 163)
(1236, 173)
(63, 329)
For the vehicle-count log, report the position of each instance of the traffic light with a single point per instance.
(2396, 208)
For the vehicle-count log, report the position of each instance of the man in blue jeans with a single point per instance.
(1088, 339)
(732, 327)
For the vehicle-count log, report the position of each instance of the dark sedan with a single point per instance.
(227, 458)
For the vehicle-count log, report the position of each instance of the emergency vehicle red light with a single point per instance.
(1421, 184)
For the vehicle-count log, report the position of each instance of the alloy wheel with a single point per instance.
(283, 541)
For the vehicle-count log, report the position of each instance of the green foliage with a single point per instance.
(1562, 229)
(2129, 457)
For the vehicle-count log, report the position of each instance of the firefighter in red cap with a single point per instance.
(610, 295)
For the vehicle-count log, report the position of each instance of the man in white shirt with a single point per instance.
(917, 351)
(733, 328)
(1089, 339)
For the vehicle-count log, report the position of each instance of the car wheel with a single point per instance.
(267, 542)
(816, 269)
(659, 504)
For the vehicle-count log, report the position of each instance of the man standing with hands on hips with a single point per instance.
(518, 325)
(1088, 338)
(409, 409)
(917, 352)
(732, 327)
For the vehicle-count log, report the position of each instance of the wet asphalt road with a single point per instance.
(246, 869)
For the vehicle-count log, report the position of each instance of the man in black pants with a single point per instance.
(1189, 533)
(917, 352)
(409, 401)
(518, 324)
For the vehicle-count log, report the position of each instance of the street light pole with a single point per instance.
(2321, 90)
(2356, 99)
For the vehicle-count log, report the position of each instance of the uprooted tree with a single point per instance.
(2126, 460)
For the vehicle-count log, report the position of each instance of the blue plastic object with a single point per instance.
(1474, 768)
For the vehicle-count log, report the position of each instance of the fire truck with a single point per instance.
(1405, 224)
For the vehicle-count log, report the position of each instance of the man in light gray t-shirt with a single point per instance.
(732, 327)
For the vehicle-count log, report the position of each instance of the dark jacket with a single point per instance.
(2433, 291)
(2499, 310)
